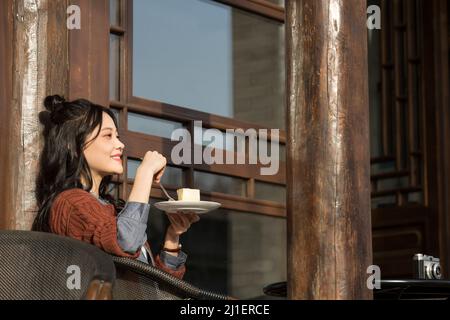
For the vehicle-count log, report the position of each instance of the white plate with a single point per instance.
(199, 207)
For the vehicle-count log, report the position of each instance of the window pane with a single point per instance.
(152, 126)
(374, 92)
(271, 192)
(383, 167)
(113, 190)
(393, 183)
(114, 67)
(117, 115)
(173, 176)
(258, 257)
(220, 139)
(114, 12)
(388, 201)
(230, 252)
(132, 166)
(283, 152)
(219, 183)
(415, 197)
(209, 57)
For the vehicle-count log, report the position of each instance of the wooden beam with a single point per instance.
(328, 209)
(259, 7)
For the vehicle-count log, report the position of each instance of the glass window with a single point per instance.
(114, 12)
(271, 192)
(218, 183)
(383, 167)
(387, 201)
(415, 197)
(231, 252)
(219, 139)
(258, 257)
(152, 126)
(393, 183)
(114, 67)
(173, 176)
(113, 190)
(209, 57)
(117, 115)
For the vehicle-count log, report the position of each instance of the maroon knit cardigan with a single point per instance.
(77, 214)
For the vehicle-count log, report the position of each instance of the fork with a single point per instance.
(162, 188)
(165, 192)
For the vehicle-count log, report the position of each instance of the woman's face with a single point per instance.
(104, 154)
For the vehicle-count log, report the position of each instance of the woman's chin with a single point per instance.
(117, 170)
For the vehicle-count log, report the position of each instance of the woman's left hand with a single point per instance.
(181, 222)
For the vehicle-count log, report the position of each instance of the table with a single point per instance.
(391, 289)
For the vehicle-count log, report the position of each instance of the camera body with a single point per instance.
(426, 267)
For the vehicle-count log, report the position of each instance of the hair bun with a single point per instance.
(53, 103)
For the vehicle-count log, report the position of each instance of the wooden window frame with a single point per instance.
(138, 143)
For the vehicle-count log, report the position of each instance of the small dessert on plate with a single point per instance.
(186, 194)
(188, 202)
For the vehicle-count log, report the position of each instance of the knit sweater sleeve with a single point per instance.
(77, 214)
(178, 273)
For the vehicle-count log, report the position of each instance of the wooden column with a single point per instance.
(6, 158)
(329, 219)
(37, 66)
(435, 88)
(41, 57)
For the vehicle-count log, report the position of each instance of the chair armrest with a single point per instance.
(183, 288)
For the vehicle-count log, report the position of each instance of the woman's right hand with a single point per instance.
(154, 163)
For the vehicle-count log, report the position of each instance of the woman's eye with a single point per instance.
(110, 136)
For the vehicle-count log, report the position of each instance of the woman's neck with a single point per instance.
(96, 180)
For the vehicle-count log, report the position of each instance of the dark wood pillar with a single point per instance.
(329, 219)
(435, 80)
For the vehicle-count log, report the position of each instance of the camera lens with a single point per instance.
(436, 271)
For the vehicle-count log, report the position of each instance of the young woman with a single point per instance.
(82, 151)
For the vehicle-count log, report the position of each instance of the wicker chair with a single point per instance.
(44, 266)
(136, 280)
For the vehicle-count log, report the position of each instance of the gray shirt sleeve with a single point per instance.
(173, 262)
(132, 226)
(132, 233)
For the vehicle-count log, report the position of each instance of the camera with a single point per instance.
(426, 267)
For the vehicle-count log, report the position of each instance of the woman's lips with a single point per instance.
(117, 159)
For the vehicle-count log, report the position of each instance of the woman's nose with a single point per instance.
(121, 146)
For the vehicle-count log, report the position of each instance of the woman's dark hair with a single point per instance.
(67, 125)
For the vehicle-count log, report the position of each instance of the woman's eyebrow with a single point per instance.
(107, 129)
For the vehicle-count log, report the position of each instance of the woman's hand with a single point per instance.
(180, 222)
(154, 163)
